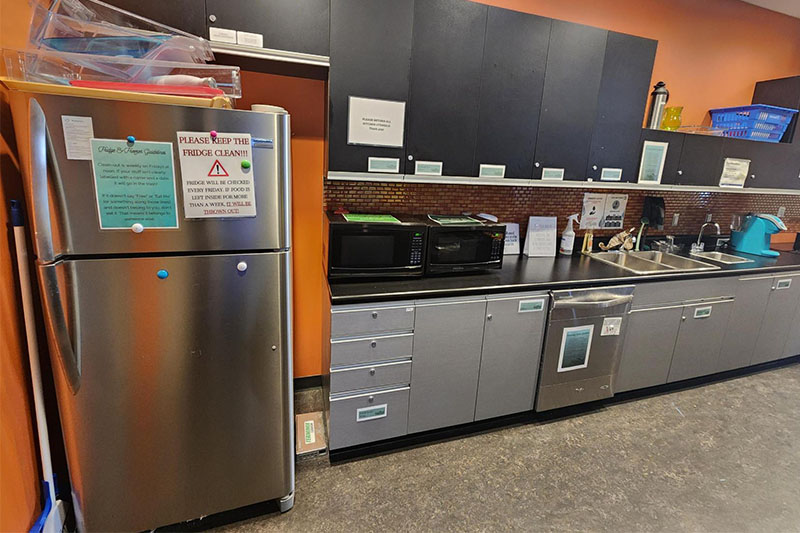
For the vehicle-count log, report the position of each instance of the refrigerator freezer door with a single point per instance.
(61, 191)
(173, 378)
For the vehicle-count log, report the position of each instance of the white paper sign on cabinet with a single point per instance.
(372, 122)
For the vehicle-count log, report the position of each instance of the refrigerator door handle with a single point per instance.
(56, 322)
(42, 230)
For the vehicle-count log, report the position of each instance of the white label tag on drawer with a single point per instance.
(222, 35)
(783, 284)
(371, 413)
(531, 306)
(702, 312)
(611, 326)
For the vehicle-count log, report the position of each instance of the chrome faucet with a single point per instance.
(703, 227)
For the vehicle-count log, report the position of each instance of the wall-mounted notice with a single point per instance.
(734, 172)
(78, 135)
(614, 211)
(217, 175)
(512, 239)
(541, 238)
(603, 211)
(652, 165)
(134, 184)
(372, 122)
(593, 207)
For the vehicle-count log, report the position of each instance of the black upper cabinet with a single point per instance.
(370, 57)
(512, 78)
(674, 140)
(186, 15)
(701, 160)
(442, 115)
(627, 68)
(290, 25)
(772, 165)
(569, 100)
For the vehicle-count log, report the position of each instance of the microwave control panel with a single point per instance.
(497, 246)
(416, 248)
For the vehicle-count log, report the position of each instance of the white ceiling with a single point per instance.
(789, 7)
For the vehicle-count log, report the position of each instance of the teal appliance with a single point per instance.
(754, 235)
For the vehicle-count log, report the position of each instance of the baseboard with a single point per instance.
(307, 382)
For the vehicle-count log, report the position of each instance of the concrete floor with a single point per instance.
(723, 457)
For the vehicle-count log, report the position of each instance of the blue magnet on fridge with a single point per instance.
(131, 139)
(162, 274)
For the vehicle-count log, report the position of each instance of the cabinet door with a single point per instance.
(772, 165)
(444, 369)
(186, 15)
(699, 340)
(778, 319)
(291, 25)
(701, 160)
(674, 140)
(569, 100)
(445, 84)
(738, 346)
(627, 68)
(512, 349)
(793, 342)
(370, 58)
(512, 77)
(647, 350)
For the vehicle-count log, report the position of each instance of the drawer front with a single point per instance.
(365, 321)
(368, 417)
(371, 349)
(673, 292)
(371, 376)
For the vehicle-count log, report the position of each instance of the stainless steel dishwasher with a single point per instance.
(583, 345)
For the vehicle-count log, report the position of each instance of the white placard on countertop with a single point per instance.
(78, 135)
(512, 239)
(540, 240)
(372, 122)
(217, 174)
(734, 172)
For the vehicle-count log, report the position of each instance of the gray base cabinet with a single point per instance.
(649, 344)
(699, 341)
(512, 347)
(739, 344)
(778, 319)
(447, 356)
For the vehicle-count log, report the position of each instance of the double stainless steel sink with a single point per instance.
(652, 262)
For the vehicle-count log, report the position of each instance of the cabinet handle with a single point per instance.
(683, 318)
(752, 176)
(212, 18)
(371, 399)
(410, 157)
(488, 317)
(374, 344)
(594, 167)
(680, 173)
(374, 314)
(536, 164)
(371, 371)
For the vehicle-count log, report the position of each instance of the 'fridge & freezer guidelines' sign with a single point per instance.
(217, 174)
(134, 184)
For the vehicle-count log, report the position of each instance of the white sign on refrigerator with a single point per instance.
(372, 122)
(217, 174)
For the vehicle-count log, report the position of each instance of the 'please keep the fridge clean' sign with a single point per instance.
(217, 174)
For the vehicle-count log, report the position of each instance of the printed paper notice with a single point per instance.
(734, 172)
(654, 154)
(614, 211)
(78, 135)
(374, 122)
(217, 175)
(541, 237)
(593, 208)
(512, 239)
(134, 184)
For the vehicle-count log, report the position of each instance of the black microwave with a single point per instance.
(463, 248)
(369, 246)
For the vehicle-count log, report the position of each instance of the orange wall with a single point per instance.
(19, 470)
(710, 52)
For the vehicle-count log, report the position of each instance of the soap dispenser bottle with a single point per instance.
(568, 237)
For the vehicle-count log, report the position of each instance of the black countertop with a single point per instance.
(520, 273)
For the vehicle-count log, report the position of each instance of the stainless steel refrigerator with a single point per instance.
(171, 348)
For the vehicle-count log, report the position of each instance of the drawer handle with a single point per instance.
(374, 314)
(579, 389)
(374, 344)
(371, 399)
(488, 317)
(371, 371)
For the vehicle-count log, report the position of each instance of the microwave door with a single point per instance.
(371, 251)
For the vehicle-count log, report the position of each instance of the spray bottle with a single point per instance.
(568, 236)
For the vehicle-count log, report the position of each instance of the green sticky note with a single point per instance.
(352, 217)
(134, 184)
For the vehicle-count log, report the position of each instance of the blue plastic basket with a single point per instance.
(759, 122)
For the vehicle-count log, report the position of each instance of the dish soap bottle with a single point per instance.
(568, 237)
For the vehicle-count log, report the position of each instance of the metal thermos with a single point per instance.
(658, 100)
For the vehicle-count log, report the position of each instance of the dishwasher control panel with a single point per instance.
(611, 326)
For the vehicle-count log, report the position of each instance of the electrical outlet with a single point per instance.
(676, 218)
(781, 211)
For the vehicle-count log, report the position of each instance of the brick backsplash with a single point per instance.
(516, 204)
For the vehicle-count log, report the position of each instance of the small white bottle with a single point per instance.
(568, 236)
